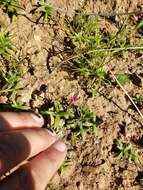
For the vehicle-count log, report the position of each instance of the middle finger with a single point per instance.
(18, 146)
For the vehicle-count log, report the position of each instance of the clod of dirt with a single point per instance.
(139, 178)
(136, 80)
(139, 141)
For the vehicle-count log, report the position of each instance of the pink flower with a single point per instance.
(73, 99)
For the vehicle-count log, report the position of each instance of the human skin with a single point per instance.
(22, 139)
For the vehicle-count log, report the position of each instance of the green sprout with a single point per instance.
(44, 9)
(138, 100)
(65, 164)
(122, 78)
(6, 45)
(17, 106)
(10, 6)
(10, 83)
(10, 78)
(10, 72)
(58, 116)
(126, 151)
(140, 25)
(84, 119)
(77, 119)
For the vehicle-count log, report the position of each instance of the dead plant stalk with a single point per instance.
(127, 94)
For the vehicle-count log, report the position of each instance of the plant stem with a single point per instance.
(101, 50)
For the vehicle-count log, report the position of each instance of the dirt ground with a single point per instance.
(93, 166)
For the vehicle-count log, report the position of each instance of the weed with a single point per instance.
(10, 78)
(85, 36)
(65, 164)
(92, 48)
(120, 40)
(84, 119)
(44, 9)
(125, 151)
(6, 46)
(10, 70)
(139, 26)
(10, 6)
(122, 78)
(14, 106)
(10, 83)
(17, 106)
(138, 100)
(58, 116)
(79, 119)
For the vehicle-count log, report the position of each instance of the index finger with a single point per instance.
(12, 120)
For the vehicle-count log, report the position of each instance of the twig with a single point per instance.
(33, 21)
(127, 94)
(117, 49)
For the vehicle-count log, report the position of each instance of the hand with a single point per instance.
(22, 139)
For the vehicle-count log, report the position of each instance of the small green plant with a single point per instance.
(65, 164)
(86, 36)
(58, 116)
(138, 100)
(17, 106)
(78, 119)
(10, 72)
(122, 78)
(6, 45)
(119, 40)
(10, 83)
(140, 25)
(84, 120)
(10, 6)
(10, 77)
(92, 48)
(14, 106)
(125, 151)
(44, 9)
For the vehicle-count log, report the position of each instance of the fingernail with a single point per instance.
(60, 146)
(38, 118)
(51, 133)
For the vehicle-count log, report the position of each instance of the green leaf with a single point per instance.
(57, 122)
(140, 25)
(122, 78)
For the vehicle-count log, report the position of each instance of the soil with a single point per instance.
(93, 165)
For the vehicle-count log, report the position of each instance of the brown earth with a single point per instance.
(93, 166)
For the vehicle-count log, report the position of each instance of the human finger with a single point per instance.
(12, 120)
(18, 146)
(36, 174)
